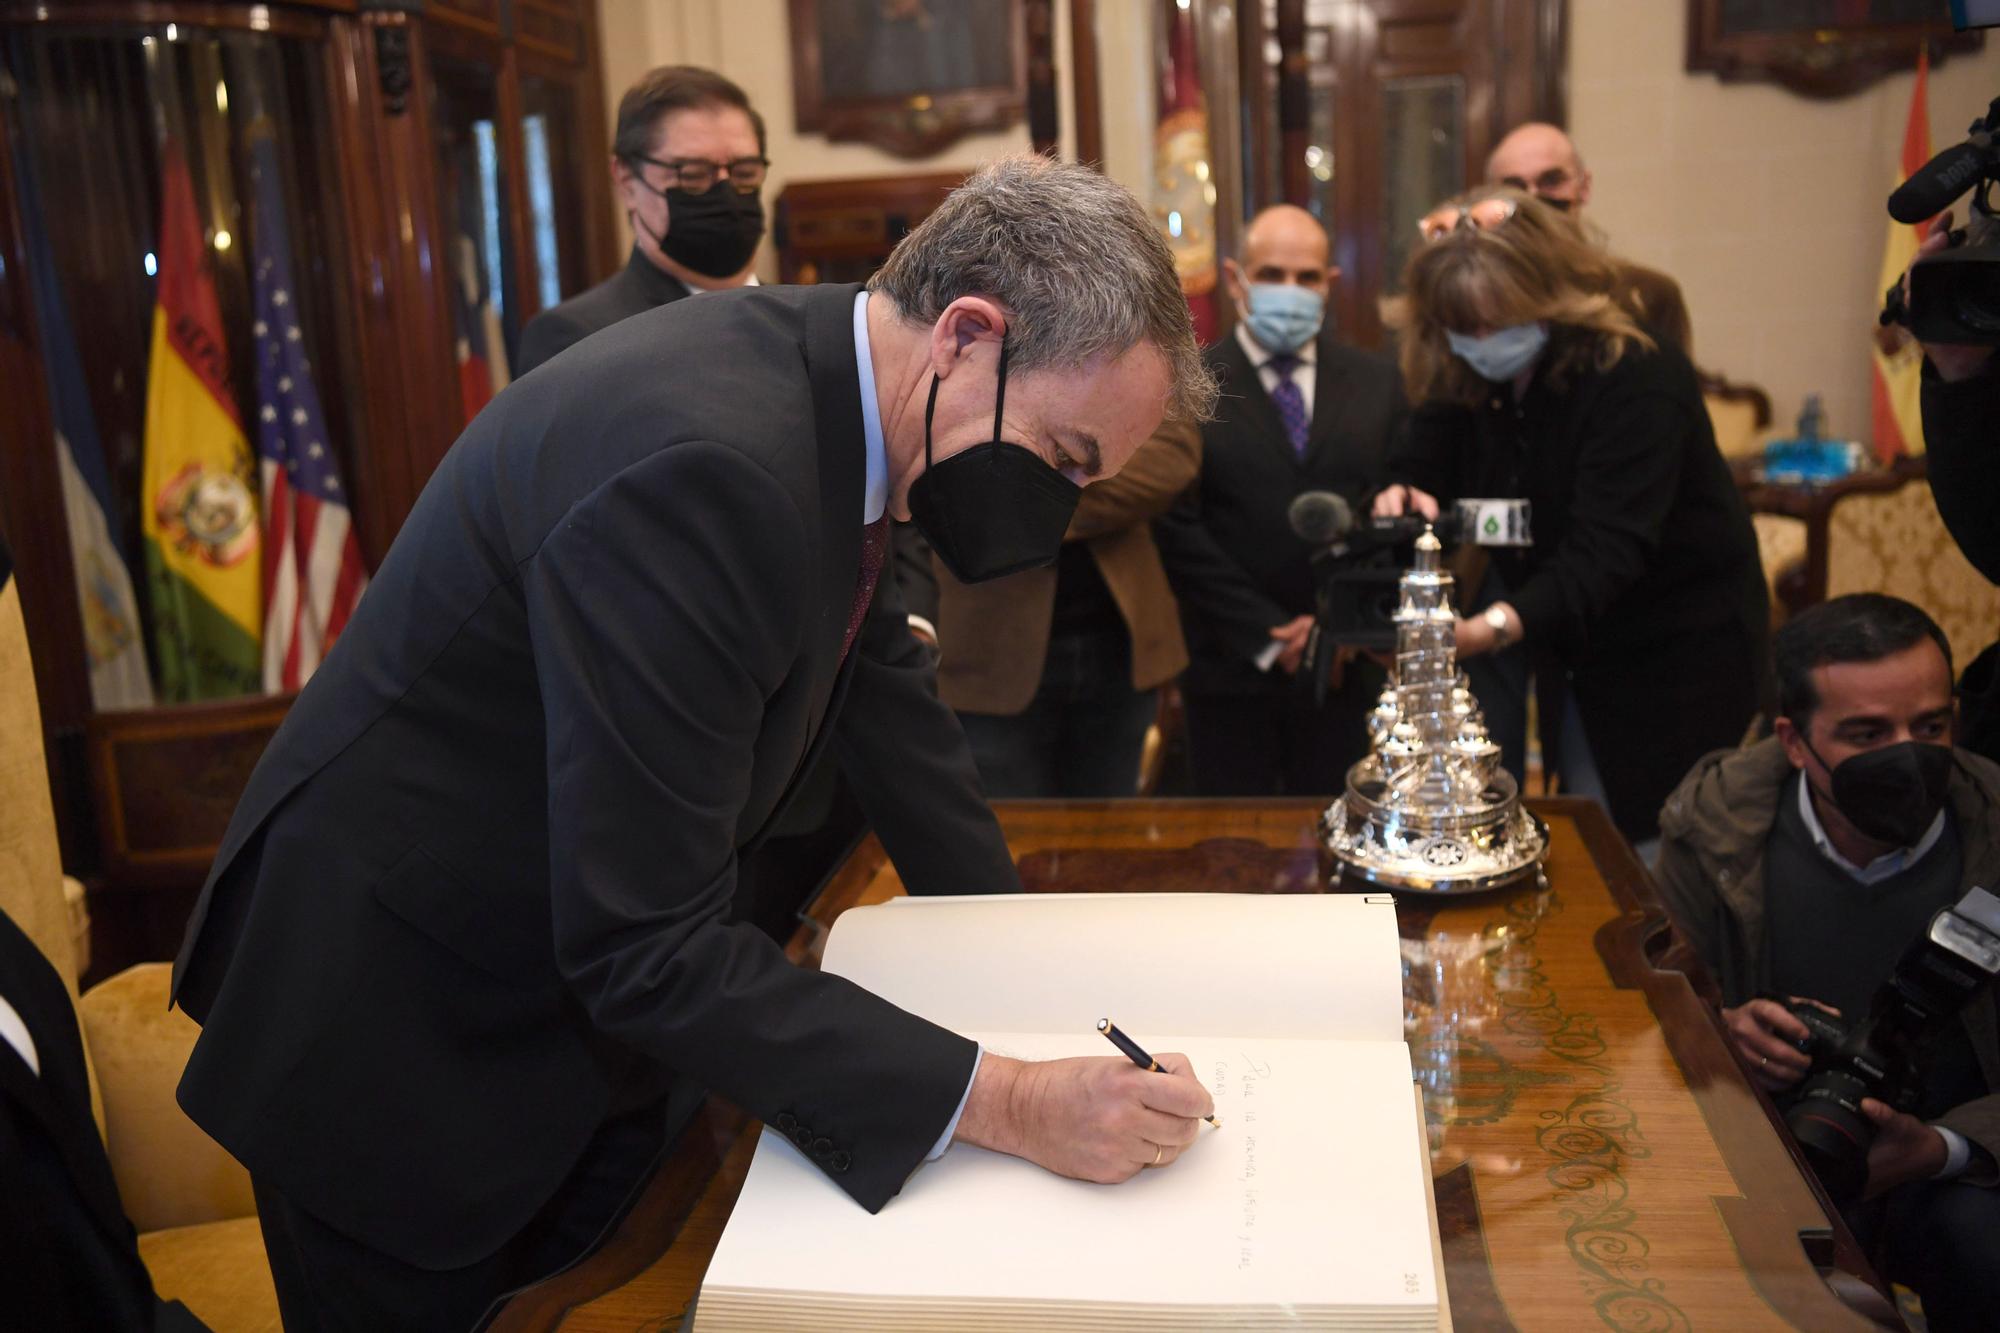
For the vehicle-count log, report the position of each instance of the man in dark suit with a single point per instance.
(464, 958)
(1299, 412)
(687, 161)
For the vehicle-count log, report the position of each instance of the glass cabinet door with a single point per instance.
(478, 255)
(186, 264)
(557, 176)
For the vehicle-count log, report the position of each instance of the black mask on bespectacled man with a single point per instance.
(994, 509)
(713, 233)
(1892, 794)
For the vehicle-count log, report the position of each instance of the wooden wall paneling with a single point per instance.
(1294, 104)
(1255, 90)
(593, 125)
(31, 491)
(514, 173)
(411, 378)
(167, 781)
(293, 18)
(1089, 96)
(1044, 117)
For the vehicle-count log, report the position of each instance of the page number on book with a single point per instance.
(1410, 1284)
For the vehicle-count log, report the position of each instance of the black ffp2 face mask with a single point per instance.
(993, 509)
(713, 233)
(1892, 794)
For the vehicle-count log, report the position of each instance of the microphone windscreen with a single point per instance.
(1935, 184)
(1320, 517)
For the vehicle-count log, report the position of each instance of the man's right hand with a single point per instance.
(1098, 1118)
(1396, 501)
(1294, 635)
(1766, 1035)
(1952, 361)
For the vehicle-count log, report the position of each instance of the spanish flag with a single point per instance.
(1899, 429)
(200, 510)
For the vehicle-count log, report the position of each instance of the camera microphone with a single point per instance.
(1320, 517)
(1932, 187)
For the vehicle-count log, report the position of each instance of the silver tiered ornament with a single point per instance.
(1430, 810)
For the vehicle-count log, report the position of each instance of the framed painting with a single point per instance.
(909, 76)
(1821, 48)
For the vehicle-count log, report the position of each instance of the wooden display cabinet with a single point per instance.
(439, 156)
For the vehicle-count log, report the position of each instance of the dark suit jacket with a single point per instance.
(1232, 556)
(632, 290)
(474, 897)
(1643, 585)
(74, 1260)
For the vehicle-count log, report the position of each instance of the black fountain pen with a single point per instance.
(1137, 1054)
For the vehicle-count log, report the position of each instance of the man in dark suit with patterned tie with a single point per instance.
(1299, 412)
(464, 960)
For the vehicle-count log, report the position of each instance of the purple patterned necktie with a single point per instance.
(874, 549)
(1290, 402)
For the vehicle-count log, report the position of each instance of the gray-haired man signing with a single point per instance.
(463, 958)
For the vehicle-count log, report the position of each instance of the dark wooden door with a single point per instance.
(1371, 111)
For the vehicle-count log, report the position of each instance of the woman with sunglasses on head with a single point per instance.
(1642, 591)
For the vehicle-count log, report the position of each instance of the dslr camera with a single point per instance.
(1882, 1055)
(1954, 295)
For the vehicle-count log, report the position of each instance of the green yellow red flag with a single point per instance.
(200, 512)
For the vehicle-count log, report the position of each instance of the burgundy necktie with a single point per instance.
(1291, 403)
(874, 548)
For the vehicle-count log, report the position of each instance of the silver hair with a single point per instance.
(1072, 257)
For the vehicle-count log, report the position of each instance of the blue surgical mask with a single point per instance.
(1501, 356)
(1284, 317)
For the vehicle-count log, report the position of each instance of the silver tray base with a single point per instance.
(1469, 851)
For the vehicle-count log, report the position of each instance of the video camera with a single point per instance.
(1954, 295)
(1357, 564)
(1881, 1055)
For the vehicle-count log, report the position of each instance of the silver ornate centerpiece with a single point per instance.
(1430, 809)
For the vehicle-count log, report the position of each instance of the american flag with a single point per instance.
(312, 565)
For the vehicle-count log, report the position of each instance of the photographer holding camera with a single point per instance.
(1803, 866)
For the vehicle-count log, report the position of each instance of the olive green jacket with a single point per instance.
(1713, 831)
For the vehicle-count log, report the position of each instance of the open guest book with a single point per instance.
(1308, 1208)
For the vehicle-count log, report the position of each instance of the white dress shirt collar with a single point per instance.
(1260, 354)
(875, 495)
(1882, 867)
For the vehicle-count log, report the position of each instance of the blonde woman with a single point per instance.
(1641, 591)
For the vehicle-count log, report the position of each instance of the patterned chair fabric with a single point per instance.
(1893, 541)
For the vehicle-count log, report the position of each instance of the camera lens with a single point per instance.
(1832, 1132)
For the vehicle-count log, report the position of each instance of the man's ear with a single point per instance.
(1790, 737)
(1238, 285)
(965, 322)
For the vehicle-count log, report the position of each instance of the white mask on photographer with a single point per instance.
(1501, 355)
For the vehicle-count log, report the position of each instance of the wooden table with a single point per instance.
(1600, 1159)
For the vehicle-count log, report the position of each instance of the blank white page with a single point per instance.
(1200, 964)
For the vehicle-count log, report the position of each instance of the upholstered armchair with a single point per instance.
(189, 1200)
(1880, 532)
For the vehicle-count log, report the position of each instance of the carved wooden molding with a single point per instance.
(910, 124)
(1833, 59)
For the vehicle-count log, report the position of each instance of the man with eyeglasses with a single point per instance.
(688, 164)
(1541, 160)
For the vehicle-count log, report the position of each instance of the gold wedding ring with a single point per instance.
(1159, 1151)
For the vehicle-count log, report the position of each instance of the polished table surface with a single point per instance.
(1600, 1159)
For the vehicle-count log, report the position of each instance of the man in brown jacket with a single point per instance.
(1055, 672)
(1805, 864)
